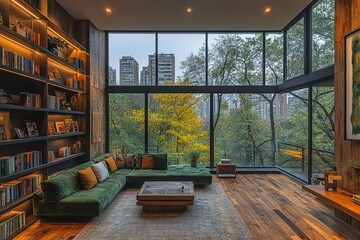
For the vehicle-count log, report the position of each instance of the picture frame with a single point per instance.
(352, 84)
(75, 126)
(20, 133)
(69, 125)
(32, 129)
(56, 73)
(51, 128)
(60, 127)
(5, 126)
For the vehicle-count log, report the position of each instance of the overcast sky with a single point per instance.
(139, 46)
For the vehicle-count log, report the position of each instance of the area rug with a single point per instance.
(212, 216)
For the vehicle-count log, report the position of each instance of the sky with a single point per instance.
(139, 46)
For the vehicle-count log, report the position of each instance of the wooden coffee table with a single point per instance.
(166, 195)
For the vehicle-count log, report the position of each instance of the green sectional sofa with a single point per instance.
(63, 195)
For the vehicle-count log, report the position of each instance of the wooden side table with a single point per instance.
(225, 170)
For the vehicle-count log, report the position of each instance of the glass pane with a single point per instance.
(323, 129)
(126, 123)
(292, 134)
(235, 59)
(295, 50)
(274, 59)
(181, 58)
(323, 19)
(178, 124)
(243, 129)
(129, 55)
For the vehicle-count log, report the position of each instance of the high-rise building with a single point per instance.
(166, 68)
(129, 71)
(144, 77)
(112, 76)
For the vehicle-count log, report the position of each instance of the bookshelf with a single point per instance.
(44, 82)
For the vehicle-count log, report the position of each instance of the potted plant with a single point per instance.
(56, 44)
(194, 156)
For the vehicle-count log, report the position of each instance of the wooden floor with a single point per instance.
(272, 206)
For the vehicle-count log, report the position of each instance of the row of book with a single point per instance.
(53, 102)
(16, 61)
(29, 100)
(74, 83)
(356, 199)
(10, 223)
(20, 162)
(29, 34)
(64, 151)
(18, 188)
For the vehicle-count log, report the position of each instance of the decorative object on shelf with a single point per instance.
(51, 156)
(194, 156)
(225, 161)
(56, 44)
(32, 129)
(330, 180)
(56, 73)
(64, 104)
(51, 128)
(76, 148)
(5, 122)
(69, 125)
(96, 128)
(75, 126)
(20, 133)
(2, 129)
(60, 127)
(352, 84)
(5, 98)
(1, 19)
(75, 102)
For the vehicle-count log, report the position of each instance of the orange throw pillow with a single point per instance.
(111, 164)
(147, 162)
(87, 178)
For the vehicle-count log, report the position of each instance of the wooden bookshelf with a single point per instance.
(26, 33)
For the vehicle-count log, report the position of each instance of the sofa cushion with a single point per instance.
(102, 157)
(87, 178)
(63, 184)
(129, 160)
(147, 162)
(184, 172)
(138, 176)
(100, 171)
(112, 167)
(120, 161)
(160, 162)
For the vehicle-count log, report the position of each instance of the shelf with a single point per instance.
(60, 33)
(13, 176)
(66, 112)
(66, 87)
(22, 108)
(64, 63)
(22, 140)
(24, 39)
(64, 159)
(28, 221)
(66, 135)
(17, 202)
(23, 74)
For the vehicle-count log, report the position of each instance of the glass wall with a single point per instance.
(323, 19)
(323, 106)
(179, 124)
(130, 58)
(274, 59)
(181, 58)
(292, 134)
(235, 59)
(126, 123)
(295, 50)
(242, 129)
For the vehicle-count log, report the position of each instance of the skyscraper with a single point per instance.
(112, 76)
(129, 71)
(144, 77)
(166, 68)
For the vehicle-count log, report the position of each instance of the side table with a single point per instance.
(225, 170)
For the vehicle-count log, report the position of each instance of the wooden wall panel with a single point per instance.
(97, 84)
(346, 20)
(59, 16)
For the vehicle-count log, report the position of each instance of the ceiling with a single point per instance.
(172, 15)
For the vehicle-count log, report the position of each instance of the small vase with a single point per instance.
(193, 163)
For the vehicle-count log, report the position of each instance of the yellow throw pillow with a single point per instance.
(112, 167)
(87, 178)
(147, 162)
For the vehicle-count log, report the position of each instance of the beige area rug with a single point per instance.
(213, 216)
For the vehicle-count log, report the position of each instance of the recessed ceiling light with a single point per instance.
(189, 10)
(267, 10)
(108, 10)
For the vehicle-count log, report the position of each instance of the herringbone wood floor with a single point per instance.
(272, 206)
